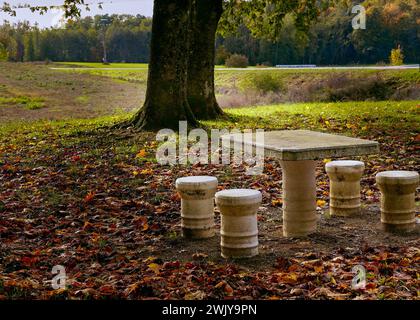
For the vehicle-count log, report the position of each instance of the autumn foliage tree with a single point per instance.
(397, 57)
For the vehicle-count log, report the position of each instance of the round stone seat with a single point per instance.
(398, 199)
(344, 186)
(397, 177)
(196, 183)
(239, 197)
(345, 165)
(239, 227)
(197, 205)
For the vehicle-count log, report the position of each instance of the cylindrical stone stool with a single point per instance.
(344, 186)
(197, 206)
(397, 199)
(239, 229)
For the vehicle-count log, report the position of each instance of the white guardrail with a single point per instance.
(296, 66)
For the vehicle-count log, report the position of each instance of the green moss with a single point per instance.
(82, 99)
(30, 103)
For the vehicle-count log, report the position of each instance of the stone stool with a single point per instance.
(344, 186)
(239, 230)
(197, 206)
(397, 199)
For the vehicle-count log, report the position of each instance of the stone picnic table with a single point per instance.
(298, 151)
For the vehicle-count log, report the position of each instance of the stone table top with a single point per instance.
(308, 145)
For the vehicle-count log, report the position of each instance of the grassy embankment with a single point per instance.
(250, 86)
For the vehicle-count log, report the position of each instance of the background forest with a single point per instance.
(331, 40)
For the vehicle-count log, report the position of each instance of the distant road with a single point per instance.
(413, 66)
(404, 67)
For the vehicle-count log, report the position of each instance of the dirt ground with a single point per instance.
(334, 234)
(66, 94)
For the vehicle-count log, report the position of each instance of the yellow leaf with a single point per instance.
(87, 225)
(141, 154)
(326, 160)
(58, 292)
(198, 295)
(132, 287)
(276, 202)
(146, 171)
(318, 269)
(320, 203)
(150, 259)
(327, 123)
(135, 173)
(154, 267)
(290, 278)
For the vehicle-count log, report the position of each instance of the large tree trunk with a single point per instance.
(205, 16)
(166, 97)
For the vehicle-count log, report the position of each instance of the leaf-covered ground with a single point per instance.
(93, 199)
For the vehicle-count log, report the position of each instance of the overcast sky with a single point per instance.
(143, 7)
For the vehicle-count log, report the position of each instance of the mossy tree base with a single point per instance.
(181, 70)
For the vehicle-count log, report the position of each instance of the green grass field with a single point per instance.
(344, 116)
(394, 123)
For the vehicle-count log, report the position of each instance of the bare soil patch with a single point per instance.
(66, 94)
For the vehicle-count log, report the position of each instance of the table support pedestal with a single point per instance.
(299, 198)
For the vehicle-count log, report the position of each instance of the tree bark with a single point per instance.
(205, 16)
(166, 97)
